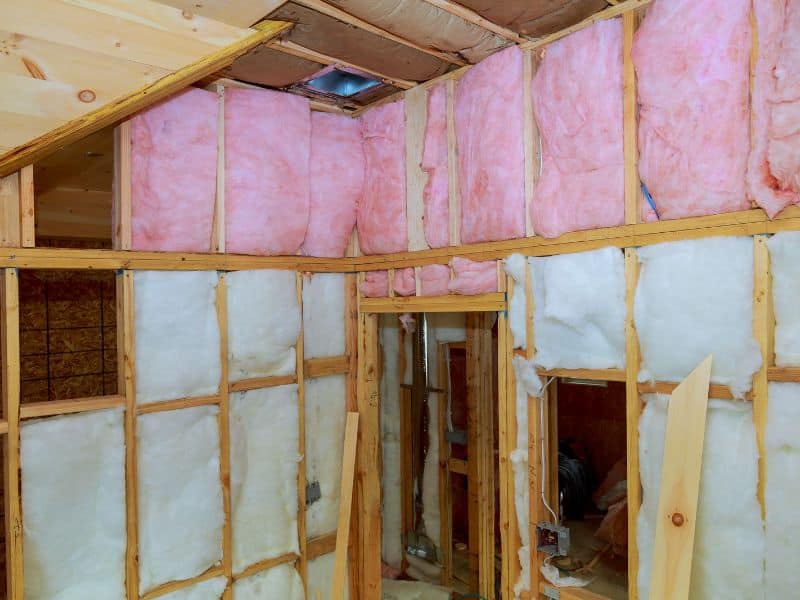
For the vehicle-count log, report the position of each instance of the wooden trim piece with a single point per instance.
(265, 565)
(165, 405)
(302, 561)
(121, 189)
(257, 383)
(125, 106)
(608, 13)
(27, 212)
(345, 505)
(320, 546)
(722, 392)
(630, 122)
(223, 421)
(345, 17)
(416, 117)
(453, 191)
(10, 385)
(293, 49)
(470, 16)
(593, 374)
(330, 365)
(33, 410)
(10, 218)
(218, 220)
(174, 586)
(528, 132)
(351, 317)
(483, 303)
(763, 331)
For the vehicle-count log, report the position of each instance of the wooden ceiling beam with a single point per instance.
(130, 103)
(289, 47)
(345, 17)
(469, 15)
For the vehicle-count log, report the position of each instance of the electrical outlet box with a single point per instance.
(552, 539)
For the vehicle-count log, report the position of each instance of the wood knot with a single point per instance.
(677, 519)
(187, 14)
(87, 96)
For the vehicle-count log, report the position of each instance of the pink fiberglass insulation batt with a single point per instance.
(267, 147)
(692, 62)
(434, 280)
(471, 278)
(375, 284)
(773, 174)
(337, 182)
(491, 158)
(577, 102)
(174, 173)
(404, 283)
(382, 210)
(436, 195)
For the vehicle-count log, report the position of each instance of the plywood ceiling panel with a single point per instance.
(265, 66)
(334, 38)
(535, 17)
(87, 164)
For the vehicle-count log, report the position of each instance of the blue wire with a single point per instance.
(650, 200)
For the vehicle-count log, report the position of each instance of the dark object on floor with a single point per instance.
(574, 483)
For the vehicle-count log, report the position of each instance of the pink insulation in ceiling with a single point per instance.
(471, 278)
(436, 195)
(491, 160)
(773, 175)
(174, 173)
(577, 103)
(267, 147)
(375, 284)
(692, 63)
(404, 283)
(434, 280)
(337, 182)
(382, 210)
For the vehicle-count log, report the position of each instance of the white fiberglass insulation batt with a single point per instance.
(784, 251)
(729, 540)
(781, 491)
(516, 265)
(391, 540)
(320, 578)
(73, 504)
(323, 315)
(176, 335)
(265, 443)
(394, 589)
(180, 494)
(205, 590)
(278, 583)
(695, 298)
(579, 314)
(326, 413)
(263, 323)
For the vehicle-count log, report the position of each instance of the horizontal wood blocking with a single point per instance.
(34, 410)
(261, 382)
(592, 374)
(322, 545)
(266, 564)
(721, 392)
(481, 303)
(570, 593)
(785, 374)
(174, 586)
(457, 465)
(330, 365)
(152, 407)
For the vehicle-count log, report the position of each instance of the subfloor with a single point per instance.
(611, 577)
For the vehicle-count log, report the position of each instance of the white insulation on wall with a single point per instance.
(413, 590)
(782, 446)
(180, 495)
(579, 310)
(264, 465)
(320, 578)
(73, 505)
(516, 266)
(205, 590)
(729, 539)
(278, 583)
(784, 250)
(391, 539)
(263, 323)
(323, 315)
(695, 298)
(176, 335)
(326, 415)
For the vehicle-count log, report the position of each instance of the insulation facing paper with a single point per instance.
(73, 504)
(695, 298)
(579, 314)
(278, 583)
(323, 315)
(263, 323)
(729, 539)
(264, 456)
(784, 253)
(176, 335)
(325, 403)
(180, 494)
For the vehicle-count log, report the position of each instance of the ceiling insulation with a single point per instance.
(537, 18)
(426, 25)
(340, 40)
(265, 66)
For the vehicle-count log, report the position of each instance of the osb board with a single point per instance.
(535, 18)
(266, 66)
(87, 165)
(339, 40)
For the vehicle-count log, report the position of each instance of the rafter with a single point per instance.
(289, 47)
(471, 16)
(345, 17)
